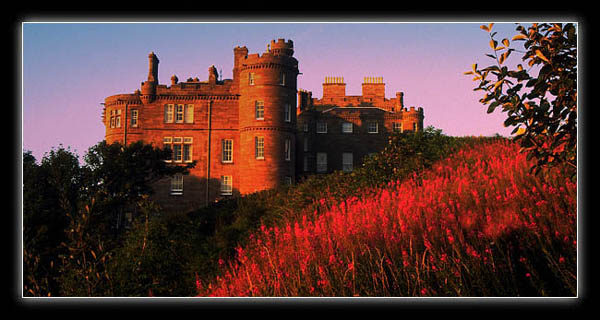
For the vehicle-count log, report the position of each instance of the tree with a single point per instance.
(118, 176)
(50, 193)
(542, 107)
(72, 213)
(408, 153)
(117, 179)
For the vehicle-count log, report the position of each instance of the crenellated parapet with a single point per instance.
(282, 47)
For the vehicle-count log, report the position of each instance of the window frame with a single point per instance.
(287, 112)
(344, 129)
(226, 188)
(135, 113)
(169, 113)
(259, 107)
(346, 164)
(320, 126)
(259, 148)
(188, 113)
(227, 149)
(321, 166)
(376, 127)
(397, 127)
(187, 153)
(179, 112)
(176, 188)
(288, 149)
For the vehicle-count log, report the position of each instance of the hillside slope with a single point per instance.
(475, 224)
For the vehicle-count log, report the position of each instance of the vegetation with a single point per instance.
(181, 254)
(475, 224)
(542, 107)
(431, 215)
(73, 215)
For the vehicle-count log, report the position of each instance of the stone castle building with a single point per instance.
(256, 131)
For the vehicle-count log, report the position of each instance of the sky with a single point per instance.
(68, 69)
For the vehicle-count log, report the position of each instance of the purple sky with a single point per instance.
(69, 68)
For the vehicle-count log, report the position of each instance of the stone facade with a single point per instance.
(255, 131)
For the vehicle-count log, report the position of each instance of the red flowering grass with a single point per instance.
(475, 224)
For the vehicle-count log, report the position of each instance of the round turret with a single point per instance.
(267, 117)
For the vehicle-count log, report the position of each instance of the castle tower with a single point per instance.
(413, 119)
(239, 53)
(267, 116)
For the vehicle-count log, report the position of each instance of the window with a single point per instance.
(288, 149)
(112, 118)
(415, 127)
(179, 113)
(189, 113)
(305, 164)
(169, 108)
(347, 161)
(181, 148)
(227, 151)
(259, 108)
(226, 185)
(177, 185)
(347, 127)
(321, 127)
(251, 78)
(373, 127)
(305, 127)
(287, 113)
(187, 153)
(398, 126)
(321, 162)
(305, 144)
(134, 117)
(177, 155)
(167, 142)
(287, 180)
(259, 143)
(116, 119)
(282, 79)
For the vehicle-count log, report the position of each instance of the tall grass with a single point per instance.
(474, 224)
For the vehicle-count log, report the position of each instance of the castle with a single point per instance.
(256, 131)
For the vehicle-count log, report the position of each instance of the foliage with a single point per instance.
(50, 192)
(118, 177)
(543, 107)
(408, 153)
(156, 252)
(74, 215)
(475, 224)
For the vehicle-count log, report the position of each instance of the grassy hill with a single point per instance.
(473, 224)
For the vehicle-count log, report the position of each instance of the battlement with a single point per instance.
(413, 110)
(282, 47)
